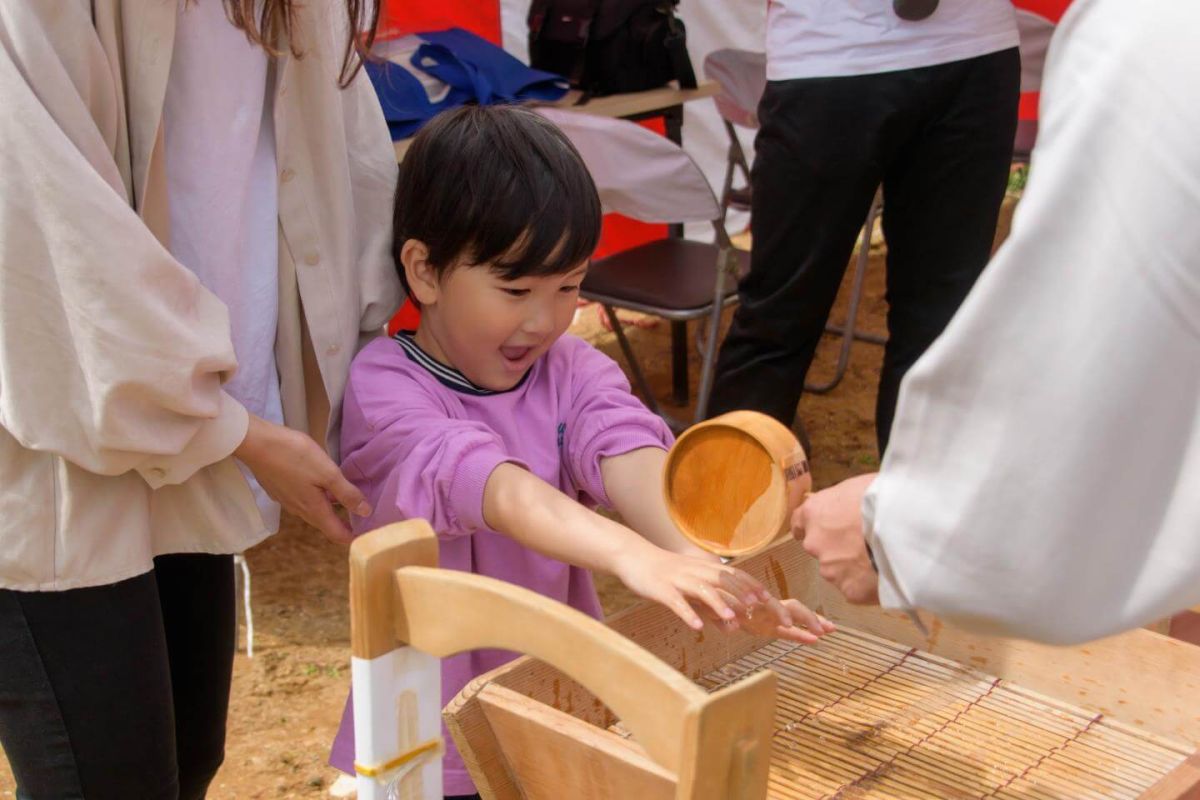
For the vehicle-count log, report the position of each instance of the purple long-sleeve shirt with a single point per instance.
(419, 440)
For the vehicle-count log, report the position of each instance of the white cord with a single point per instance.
(240, 560)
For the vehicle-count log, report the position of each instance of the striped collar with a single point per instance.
(446, 375)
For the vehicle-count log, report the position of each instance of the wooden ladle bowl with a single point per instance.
(731, 483)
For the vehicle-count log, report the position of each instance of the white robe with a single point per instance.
(1043, 476)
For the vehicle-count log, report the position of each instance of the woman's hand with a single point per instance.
(297, 473)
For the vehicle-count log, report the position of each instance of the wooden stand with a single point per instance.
(877, 710)
(712, 746)
(649, 709)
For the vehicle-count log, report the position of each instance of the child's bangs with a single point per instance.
(552, 241)
(496, 186)
(543, 215)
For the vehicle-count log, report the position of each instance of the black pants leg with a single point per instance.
(824, 147)
(200, 617)
(815, 173)
(942, 191)
(116, 691)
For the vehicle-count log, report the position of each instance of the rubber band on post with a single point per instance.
(402, 764)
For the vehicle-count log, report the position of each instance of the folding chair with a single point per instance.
(650, 178)
(742, 76)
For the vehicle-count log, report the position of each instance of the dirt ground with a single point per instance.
(288, 698)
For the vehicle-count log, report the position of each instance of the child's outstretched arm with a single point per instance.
(521, 505)
(632, 482)
(614, 449)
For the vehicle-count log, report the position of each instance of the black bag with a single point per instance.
(610, 46)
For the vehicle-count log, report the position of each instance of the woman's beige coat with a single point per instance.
(115, 434)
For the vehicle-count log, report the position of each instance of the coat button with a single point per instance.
(312, 258)
(333, 349)
(287, 174)
(158, 472)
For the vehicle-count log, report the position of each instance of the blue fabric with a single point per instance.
(405, 103)
(476, 71)
(471, 64)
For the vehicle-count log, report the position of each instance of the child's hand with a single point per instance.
(786, 619)
(677, 581)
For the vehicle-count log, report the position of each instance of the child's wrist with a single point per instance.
(628, 555)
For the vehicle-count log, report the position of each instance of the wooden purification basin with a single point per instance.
(875, 711)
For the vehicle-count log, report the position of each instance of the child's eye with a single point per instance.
(568, 289)
(514, 292)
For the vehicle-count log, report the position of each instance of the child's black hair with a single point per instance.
(496, 185)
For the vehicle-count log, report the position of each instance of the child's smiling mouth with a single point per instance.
(515, 356)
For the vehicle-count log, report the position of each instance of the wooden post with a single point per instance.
(397, 688)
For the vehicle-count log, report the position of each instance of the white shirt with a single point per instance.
(1043, 476)
(222, 190)
(828, 38)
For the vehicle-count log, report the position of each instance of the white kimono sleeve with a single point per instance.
(1043, 476)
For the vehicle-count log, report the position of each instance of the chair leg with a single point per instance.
(849, 334)
(679, 363)
(735, 159)
(736, 151)
(639, 377)
(709, 365)
(727, 184)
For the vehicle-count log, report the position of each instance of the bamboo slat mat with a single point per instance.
(862, 717)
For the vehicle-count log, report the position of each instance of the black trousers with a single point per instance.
(119, 691)
(939, 140)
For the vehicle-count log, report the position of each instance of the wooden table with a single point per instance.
(666, 102)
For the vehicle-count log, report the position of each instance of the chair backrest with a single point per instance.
(637, 172)
(742, 75)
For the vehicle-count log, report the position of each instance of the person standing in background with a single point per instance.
(860, 96)
(195, 223)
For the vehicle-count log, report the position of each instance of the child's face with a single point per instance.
(492, 330)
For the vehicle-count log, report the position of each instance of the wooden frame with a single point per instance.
(542, 706)
(710, 746)
(546, 726)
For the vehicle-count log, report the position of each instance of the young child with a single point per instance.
(496, 427)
